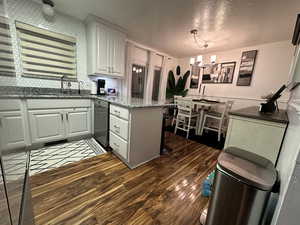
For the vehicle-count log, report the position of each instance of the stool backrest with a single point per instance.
(227, 108)
(185, 105)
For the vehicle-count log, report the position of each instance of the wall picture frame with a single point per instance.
(221, 73)
(227, 72)
(246, 68)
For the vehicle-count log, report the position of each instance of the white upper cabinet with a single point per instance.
(106, 49)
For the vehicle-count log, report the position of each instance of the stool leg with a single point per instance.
(202, 125)
(220, 130)
(176, 125)
(188, 128)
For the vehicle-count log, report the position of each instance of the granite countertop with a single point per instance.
(132, 102)
(121, 101)
(253, 113)
(46, 96)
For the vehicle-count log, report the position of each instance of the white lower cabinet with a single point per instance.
(46, 125)
(78, 122)
(12, 130)
(58, 124)
(261, 137)
(135, 133)
(118, 145)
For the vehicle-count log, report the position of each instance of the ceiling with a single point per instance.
(166, 24)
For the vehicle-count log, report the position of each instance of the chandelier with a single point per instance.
(198, 61)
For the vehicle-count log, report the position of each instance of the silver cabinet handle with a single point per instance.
(117, 129)
(62, 117)
(115, 144)
(0, 122)
(67, 116)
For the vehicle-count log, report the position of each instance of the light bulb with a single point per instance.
(133, 69)
(199, 59)
(213, 59)
(192, 61)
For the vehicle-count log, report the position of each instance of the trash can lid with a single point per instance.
(249, 168)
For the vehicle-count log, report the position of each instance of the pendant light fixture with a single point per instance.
(199, 59)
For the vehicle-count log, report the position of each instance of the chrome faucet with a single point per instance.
(62, 83)
(79, 83)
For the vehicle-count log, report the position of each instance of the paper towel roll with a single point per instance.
(94, 87)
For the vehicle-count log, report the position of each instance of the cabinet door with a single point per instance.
(12, 130)
(46, 125)
(102, 49)
(260, 137)
(118, 63)
(78, 122)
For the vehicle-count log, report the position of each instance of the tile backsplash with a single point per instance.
(30, 12)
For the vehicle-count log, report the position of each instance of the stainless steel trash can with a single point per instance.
(242, 186)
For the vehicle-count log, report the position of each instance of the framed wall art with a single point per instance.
(219, 73)
(246, 68)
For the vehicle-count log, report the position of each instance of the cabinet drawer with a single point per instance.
(119, 112)
(118, 145)
(10, 104)
(119, 126)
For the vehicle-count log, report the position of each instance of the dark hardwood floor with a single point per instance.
(102, 190)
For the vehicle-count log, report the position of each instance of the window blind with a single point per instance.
(7, 66)
(45, 53)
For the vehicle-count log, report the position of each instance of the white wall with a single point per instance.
(270, 73)
(30, 12)
(287, 211)
(2, 11)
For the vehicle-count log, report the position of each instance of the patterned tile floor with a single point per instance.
(61, 154)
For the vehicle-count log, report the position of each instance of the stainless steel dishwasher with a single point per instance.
(101, 122)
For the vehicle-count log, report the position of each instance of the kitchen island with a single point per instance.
(135, 128)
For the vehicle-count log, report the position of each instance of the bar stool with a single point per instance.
(186, 116)
(220, 117)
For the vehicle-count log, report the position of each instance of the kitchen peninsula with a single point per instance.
(134, 125)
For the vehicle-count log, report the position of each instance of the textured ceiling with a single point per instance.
(165, 24)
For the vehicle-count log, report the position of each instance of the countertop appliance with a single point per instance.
(242, 186)
(101, 122)
(101, 87)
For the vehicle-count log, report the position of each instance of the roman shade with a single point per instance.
(45, 53)
(7, 66)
